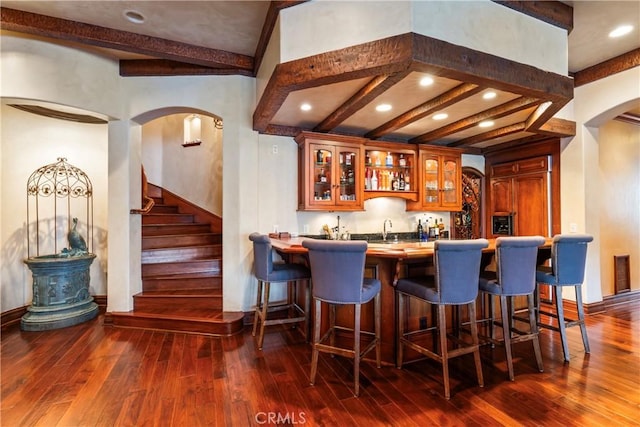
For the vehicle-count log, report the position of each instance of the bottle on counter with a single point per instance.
(421, 236)
(436, 230)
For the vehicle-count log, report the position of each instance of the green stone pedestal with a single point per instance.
(60, 292)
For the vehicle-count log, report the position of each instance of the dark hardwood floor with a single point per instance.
(95, 375)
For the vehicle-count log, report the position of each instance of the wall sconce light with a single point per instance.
(192, 131)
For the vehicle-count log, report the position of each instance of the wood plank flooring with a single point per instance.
(95, 375)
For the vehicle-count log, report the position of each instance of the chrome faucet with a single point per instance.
(384, 228)
(336, 229)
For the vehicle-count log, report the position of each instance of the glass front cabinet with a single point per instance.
(329, 172)
(440, 174)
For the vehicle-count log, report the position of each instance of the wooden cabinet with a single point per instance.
(439, 180)
(390, 171)
(330, 176)
(520, 189)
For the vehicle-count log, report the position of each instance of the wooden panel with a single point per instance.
(504, 169)
(531, 205)
(621, 273)
(537, 164)
(501, 196)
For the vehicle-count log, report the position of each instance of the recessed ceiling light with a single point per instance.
(383, 107)
(440, 116)
(426, 81)
(134, 16)
(485, 124)
(621, 31)
(489, 95)
(305, 107)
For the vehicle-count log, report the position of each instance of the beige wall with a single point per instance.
(619, 150)
(170, 165)
(28, 142)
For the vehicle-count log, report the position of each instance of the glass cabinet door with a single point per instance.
(450, 185)
(322, 174)
(348, 160)
(431, 181)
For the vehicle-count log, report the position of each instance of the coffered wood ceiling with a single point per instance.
(343, 86)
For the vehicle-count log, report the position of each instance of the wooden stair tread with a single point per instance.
(206, 292)
(213, 322)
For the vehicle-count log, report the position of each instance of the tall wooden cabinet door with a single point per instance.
(451, 196)
(531, 205)
(501, 196)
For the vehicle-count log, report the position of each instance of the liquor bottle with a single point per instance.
(388, 160)
(407, 184)
(420, 231)
(374, 181)
(367, 179)
(402, 161)
(436, 230)
(319, 156)
(322, 177)
(401, 183)
(395, 181)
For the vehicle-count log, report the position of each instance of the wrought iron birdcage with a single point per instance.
(64, 191)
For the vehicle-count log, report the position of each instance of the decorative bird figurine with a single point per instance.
(77, 243)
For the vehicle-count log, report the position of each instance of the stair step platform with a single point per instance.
(210, 266)
(180, 240)
(218, 323)
(175, 302)
(163, 255)
(167, 218)
(173, 229)
(182, 282)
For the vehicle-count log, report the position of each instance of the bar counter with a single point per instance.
(388, 262)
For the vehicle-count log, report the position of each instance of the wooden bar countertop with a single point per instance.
(400, 250)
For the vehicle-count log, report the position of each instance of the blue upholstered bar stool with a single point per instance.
(337, 270)
(268, 272)
(455, 283)
(515, 275)
(568, 260)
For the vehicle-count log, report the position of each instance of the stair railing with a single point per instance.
(147, 201)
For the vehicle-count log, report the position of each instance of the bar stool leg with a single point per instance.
(316, 340)
(263, 314)
(506, 328)
(307, 311)
(356, 350)
(377, 311)
(442, 331)
(401, 325)
(256, 317)
(562, 326)
(583, 326)
(474, 337)
(533, 325)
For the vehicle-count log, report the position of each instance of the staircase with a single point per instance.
(181, 272)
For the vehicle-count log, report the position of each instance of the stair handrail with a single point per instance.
(147, 207)
(149, 202)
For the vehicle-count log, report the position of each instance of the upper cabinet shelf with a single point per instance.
(338, 173)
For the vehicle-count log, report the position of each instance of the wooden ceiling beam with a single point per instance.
(487, 136)
(440, 102)
(386, 56)
(511, 144)
(165, 67)
(374, 88)
(552, 12)
(464, 64)
(501, 110)
(62, 29)
(607, 68)
(558, 127)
